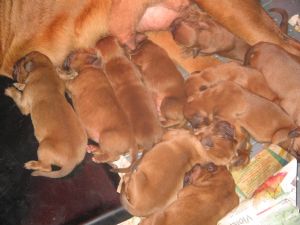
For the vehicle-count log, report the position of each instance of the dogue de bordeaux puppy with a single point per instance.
(155, 182)
(96, 105)
(131, 93)
(264, 120)
(224, 143)
(208, 197)
(165, 82)
(199, 34)
(282, 73)
(248, 78)
(62, 138)
(55, 30)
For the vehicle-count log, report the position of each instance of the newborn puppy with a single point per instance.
(246, 77)
(131, 93)
(165, 82)
(155, 183)
(282, 73)
(224, 143)
(264, 120)
(199, 34)
(62, 139)
(97, 107)
(208, 197)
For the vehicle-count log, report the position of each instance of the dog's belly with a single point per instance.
(157, 17)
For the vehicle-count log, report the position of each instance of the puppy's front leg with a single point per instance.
(18, 98)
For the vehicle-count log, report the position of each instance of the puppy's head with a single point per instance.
(82, 58)
(218, 139)
(109, 48)
(195, 83)
(28, 64)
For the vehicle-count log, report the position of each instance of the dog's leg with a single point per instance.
(18, 98)
(37, 165)
(249, 21)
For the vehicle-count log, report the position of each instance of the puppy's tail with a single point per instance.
(64, 171)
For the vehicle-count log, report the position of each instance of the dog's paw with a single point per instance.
(19, 86)
(30, 165)
(10, 92)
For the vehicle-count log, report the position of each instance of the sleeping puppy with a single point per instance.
(199, 34)
(282, 73)
(246, 77)
(62, 138)
(224, 144)
(264, 120)
(208, 197)
(165, 82)
(155, 182)
(131, 93)
(97, 107)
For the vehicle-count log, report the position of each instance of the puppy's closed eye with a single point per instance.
(225, 129)
(207, 142)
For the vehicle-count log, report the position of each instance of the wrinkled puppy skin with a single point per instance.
(208, 197)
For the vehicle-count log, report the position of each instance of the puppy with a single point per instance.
(62, 139)
(224, 144)
(164, 81)
(208, 197)
(131, 93)
(155, 182)
(199, 34)
(246, 77)
(97, 107)
(282, 73)
(264, 120)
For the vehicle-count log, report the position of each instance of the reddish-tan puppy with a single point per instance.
(264, 120)
(208, 197)
(282, 73)
(155, 182)
(131, 93)
(199, 34)
(97, 107)
(246, 77)
(165, 82)
(224, 144)
(62, 138)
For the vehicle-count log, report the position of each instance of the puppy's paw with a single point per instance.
(19, 86)
(66, 75)
(37, 165)
(10, 92)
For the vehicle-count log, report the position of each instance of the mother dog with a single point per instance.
(57, 27)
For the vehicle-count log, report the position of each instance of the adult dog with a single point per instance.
(53, 29)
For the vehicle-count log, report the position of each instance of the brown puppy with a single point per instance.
(131, 93)
(156, 181)
(264, 120)
(62, 139)
(165, 82)
(224, 143)
(97, 107)
(208, 197)
(282, 73)
(246, 77)
(199, 34)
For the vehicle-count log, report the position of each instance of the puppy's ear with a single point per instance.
(28, 66)
(225, 129)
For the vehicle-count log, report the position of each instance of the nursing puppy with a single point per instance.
(264, 120)
(62, 139)
(208, 197)
(155, 182)
(199, 34)
(165, 82)
(97, 107)
(131, 93)
(246, 77)
(282, 73)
